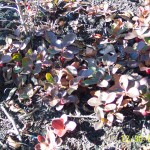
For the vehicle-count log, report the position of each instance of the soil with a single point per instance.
(84, 137)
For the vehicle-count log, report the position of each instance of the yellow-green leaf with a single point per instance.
(29, 51)
(17, 57)
(49, 78)
(147, 40)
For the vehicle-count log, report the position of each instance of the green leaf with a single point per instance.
(26, 62)
(49, 78)
(89, 82)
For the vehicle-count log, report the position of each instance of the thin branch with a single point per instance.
(21, 16)
(11, 120)
(28, 114)
(7, 7)
(83, 116)
(2, 29)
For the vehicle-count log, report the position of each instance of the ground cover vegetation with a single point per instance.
(74, 74)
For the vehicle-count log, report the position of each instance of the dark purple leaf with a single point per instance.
(25, 43)
(69, 39)
(94, 80)
(140, 45)
(5, 58)
(68, 55)
(85, 72)
(73, 49)
(50, 37)
(109, 60)
(37, 68)
(70, 99)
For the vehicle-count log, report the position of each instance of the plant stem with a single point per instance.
(83, 116)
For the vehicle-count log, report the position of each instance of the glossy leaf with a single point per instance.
(103, 83)
(109, 60)
(37, 68)
(25, 43)
(27, 62)
(64, 117)
(133, 92)
(110, 107)
(119, 117)
(70, 99)
(94, 101)
(17, 57)
(124, 81)
(109, 48)
(70, 126)
(68, 55)
(103, 96)
(58, 124)
(50, 37)
(8, 40)
(6, 58)
(85, 72)
(98, 125)
(110, 117)
(49, 78)
(111, 97)
(72, 70)
(69, 39)
(73, 49)
(99, 112)
(40, 139)
(147, 40)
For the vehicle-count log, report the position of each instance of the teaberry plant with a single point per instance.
(126, 89)
(67, 59)
(57, 129)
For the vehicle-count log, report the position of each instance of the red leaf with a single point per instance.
(58, 124)
(148, 71)
(40, 139)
